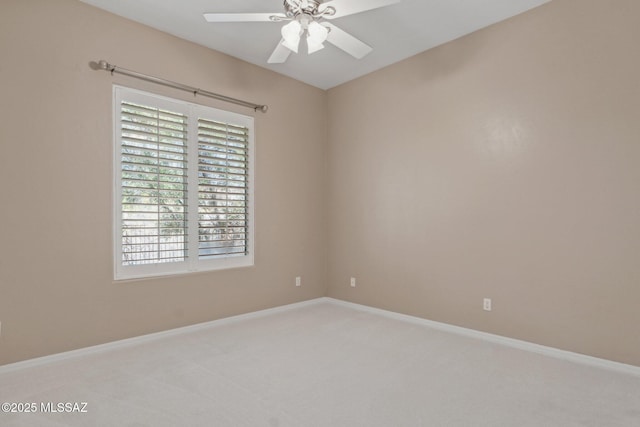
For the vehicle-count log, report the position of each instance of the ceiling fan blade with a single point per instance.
(347, 42)
(350, 7)
(280, 54)
(241, 17)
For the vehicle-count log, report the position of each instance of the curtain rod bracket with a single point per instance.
(104, 65)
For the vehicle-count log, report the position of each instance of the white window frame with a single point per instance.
(193, 112)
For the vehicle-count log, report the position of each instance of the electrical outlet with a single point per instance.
(486, 304)
(298, 281)
(353, 282)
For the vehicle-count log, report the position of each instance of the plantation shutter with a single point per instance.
(222, 189)
(183, 195)
(153, 185)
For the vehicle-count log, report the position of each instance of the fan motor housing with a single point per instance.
(294, 8)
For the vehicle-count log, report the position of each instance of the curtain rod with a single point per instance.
(104, 65)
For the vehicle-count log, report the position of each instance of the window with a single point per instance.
(183, 186)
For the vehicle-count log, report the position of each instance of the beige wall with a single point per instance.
(56, 289)
(505, 164)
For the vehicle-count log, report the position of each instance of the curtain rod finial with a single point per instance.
(262, 108)
(97, 65)
(100, 65)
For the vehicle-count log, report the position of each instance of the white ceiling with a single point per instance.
(395, 32)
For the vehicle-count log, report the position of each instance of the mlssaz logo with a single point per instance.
(63, 407)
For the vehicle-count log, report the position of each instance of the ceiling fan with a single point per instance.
(310, 16)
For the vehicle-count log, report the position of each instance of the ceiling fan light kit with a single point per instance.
(316, 34)
(310, 16)
(291, 35)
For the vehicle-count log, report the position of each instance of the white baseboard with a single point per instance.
(497, 339)
(127, 342)
(509, 342)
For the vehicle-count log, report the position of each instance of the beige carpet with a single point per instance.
(322, 365)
